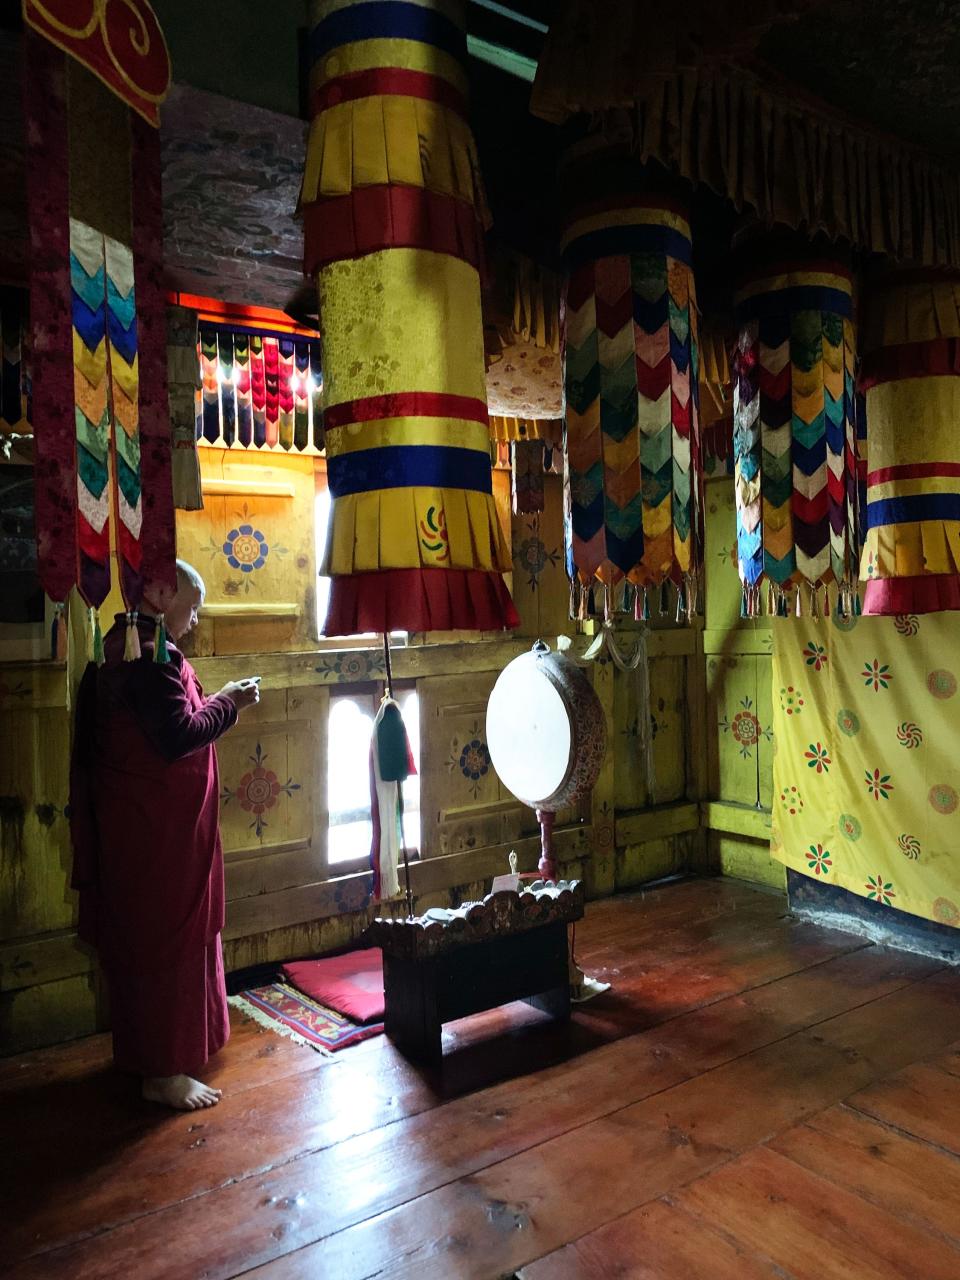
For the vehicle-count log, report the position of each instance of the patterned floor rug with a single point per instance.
(289, 1013)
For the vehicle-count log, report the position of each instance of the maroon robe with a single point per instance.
(144, 816)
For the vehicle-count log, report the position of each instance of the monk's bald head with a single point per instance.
(181, 616)
(188, 576)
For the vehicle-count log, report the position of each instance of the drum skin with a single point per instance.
(522, 744)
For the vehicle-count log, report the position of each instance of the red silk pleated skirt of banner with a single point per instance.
(383, 217)
(419, 600)
(924, 594)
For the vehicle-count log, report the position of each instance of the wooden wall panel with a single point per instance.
(261, 583)
(667, 724)
(737, 656)
(463, 803)
(35, 854)
(541, 591)
(273, 794)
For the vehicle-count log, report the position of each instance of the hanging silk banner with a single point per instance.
(634, 481)
(102, 433)
(122, 45)
(911, 380)
(794, 425)
(393, 209)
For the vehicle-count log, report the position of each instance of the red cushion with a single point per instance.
(350, 984)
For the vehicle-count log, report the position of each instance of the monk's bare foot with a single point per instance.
(183, 1093)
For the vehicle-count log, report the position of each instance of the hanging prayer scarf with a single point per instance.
(391, 763)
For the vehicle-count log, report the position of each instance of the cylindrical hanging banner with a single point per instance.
(631, 363)
(911, 379)
(393, 208)
(794, 424)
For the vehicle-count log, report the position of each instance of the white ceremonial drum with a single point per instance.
(545, 730)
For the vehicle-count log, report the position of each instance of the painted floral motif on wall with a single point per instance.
(244, 549)
(348, 667)
(471, 758)
(258, 790)
(15, 689)
(530, 554)
(745, 728)
(658, 721)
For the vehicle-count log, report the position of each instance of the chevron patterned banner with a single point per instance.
(91, 384)
(631, 367)
(125, 414)
(910, 378)
(393, 213)
(106, 395)
(102, 425)
(794, 438)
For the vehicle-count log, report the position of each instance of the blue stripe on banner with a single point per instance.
(404, 466)
(910, 509)
(91, 325)
(387, 20)
(801, 298)
(631, 239)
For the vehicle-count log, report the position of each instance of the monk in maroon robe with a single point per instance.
(148, 863)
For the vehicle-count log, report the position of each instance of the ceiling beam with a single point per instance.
(512, 14)
(508, 60)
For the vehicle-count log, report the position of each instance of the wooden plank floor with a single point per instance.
(756, 1097)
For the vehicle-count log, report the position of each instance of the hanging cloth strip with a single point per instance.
(911, 381)
(100, 439)
(635, 482)
(637, 664)
(393, 212)
(794, 441)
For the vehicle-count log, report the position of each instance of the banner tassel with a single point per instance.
(99, 656)
(131, 640)
(160, 651)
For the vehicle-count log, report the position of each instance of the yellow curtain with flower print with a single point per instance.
(867, 737)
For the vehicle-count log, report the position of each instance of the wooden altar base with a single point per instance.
(511, 946)
(421, 995)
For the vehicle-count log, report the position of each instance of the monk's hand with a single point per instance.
(242, 693)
